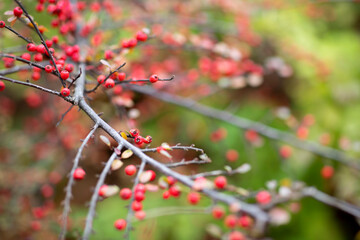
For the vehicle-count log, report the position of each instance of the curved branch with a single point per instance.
(244, 123)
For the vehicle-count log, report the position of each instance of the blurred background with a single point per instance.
(292, 65)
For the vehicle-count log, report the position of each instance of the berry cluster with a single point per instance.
(138, 139)
(140, 36)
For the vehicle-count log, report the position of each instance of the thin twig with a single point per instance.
(186, 148)
(145, 80)
(63, 115)
(42, 41)
(242, 169)
(18, 34)
(130, 211)
(185, 163)
(94, 198)
(68, 188)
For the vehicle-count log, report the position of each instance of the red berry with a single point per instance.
(170, 180)
(136, 206)
(49, 43)
(154, 78)
(134, 132)
(148, 139)
(120, 224)
(138, 140)
(220, 182)
(130, 170)
(166, 195)
(230, 221)
(38, 57)
(108, 54)
(2, 24)
(140, 215)
(121, 76)
(174, 191)
(39, 7)
(140, 188)
(232, 155)
(79, 174)
(263, 197)
(55, 39)
(48, 68)
(125, 44)
(101, 79)
(141, 36)
(35, 76)
(125, 193)
(69, 67)
(327, 172)
(118, 89)
(152, 175)
(193, 198)
(26, 56)
(64, 74)
(31, 47)
(218, 212)
(41, 49)
(65, 92)
(35, 225)
(285, 151)
(139, 196)
(17, 12)
(132, 43)
(236, 235)
(102, 190)
(2, 86)
(109, 83)
(245, 221)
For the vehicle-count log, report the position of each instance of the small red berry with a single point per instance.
(79, 174)
(121, 76)
(125, 193)
(174, 191)
(148, 139)
(166, 195)
(118, 89)
(108, 54)
(327, 172)
(102, 190)
(2, 86)
(101, 79)
(132, 43)
(170, 180)
(139, 196)
(48, 68)
(134, 132)
(230, 221)
(138, 140)
(109, 83)
(245, 221)
(141, 36)
(65, 92)
(154, 78)
(64, 74)
(140, 188)
(49, 43)
(220, 182)
(130, 170)
(232, 155)
(263, 197)
(120, 224)
(236, 235)
(38, 57)
(2, 24)
(17, 12)
(26, 56)
(218, 212)
(41, 49)
(39, 7)
(152, 175)
(125, 44)
(35, 76)
(193, 198)
(69, 67)
(140, 215)
(55, 39)
(136, 206)
(31, 47)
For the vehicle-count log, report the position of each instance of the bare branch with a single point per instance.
(95, 195)
(68, 188)
(17, 34)
(244, 123)
(186, 148)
